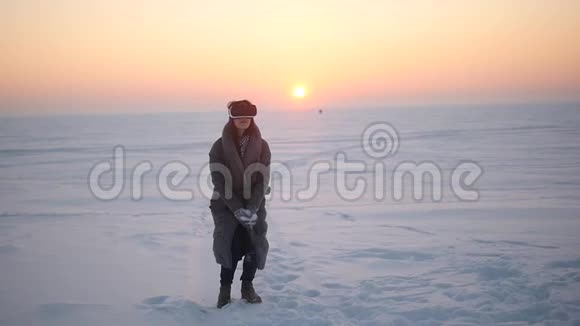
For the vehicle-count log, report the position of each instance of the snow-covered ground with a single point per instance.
(512, 257)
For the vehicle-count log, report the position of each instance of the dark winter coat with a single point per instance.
(225, 152)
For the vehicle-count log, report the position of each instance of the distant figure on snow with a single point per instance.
(240, 219)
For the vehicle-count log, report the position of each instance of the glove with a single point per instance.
(245, 217)
(252, 211)
(252, 221)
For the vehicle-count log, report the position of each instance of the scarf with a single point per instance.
(251, 153)
(244, 144)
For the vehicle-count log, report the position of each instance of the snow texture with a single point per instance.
(510, 258)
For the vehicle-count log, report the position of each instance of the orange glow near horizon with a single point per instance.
(206, 54)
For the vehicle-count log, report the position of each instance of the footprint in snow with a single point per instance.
(312, 293)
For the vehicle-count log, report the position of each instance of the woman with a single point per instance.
(240, 159)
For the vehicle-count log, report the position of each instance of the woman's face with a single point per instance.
(242, 123)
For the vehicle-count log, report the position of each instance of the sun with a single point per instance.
(299, 91)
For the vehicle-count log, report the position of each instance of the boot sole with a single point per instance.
(219, 307)
(252, 302)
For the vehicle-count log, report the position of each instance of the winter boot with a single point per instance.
(249, 293)
(225, 295)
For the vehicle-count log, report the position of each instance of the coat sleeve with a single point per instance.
(218, 179)
(261, 188)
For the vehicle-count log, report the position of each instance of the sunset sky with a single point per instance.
(178, 55)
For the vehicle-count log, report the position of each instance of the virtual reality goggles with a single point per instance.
(242, 109)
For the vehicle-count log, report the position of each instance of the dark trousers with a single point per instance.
(241, 247)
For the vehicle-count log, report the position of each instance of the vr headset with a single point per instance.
(242, 109)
